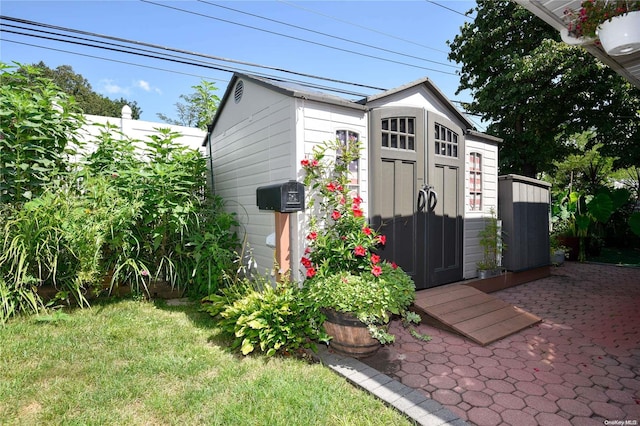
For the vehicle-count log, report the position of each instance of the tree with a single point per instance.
(198, 109)
(588, 170)
(537, 92)
(89, 101)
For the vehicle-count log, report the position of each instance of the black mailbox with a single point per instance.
(285, 197)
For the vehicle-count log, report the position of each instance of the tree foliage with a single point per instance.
(587, 170)
(198, 108)
(536, 91)
(87, 99)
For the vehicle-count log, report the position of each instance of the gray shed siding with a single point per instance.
(262, 139)
(251, 146)
(524, 210)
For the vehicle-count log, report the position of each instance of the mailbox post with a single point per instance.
(282, 199)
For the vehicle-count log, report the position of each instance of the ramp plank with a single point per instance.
(476, 315)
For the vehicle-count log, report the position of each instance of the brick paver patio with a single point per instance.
(580, 366)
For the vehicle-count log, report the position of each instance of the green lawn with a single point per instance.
(131, 362)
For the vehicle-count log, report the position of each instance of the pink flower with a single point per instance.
(305, 163)
(114, 175)
(375, 258)
(312, 236)
(314, 163)
(394, 265)
(382, 239)
(335, 215)
(144, 273)
(331, 187)
(376, 270)
(306, 262)
(311, 272)
(360, 251)
(366, 230)
(357, 212)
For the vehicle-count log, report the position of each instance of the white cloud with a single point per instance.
(144, 85)
(111, 88)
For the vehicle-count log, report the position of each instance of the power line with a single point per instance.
(113, 60)
(447, 8)
(353, 24)
(163, 56)
(174, 58)
(154, 46)
(329, 35)
(295, 38)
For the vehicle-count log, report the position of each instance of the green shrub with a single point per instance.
(261, 317)
(209, 251)
(133, 210)
(38, 124)
(373, 300)
(182, 234)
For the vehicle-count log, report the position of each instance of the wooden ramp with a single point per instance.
(479, 316)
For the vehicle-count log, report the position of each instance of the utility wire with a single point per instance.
(329, 35)
(167, 57)
(296, 38)
(86, 55)
(447, 8)
(353, 24)
(154, 46)
(176, 59)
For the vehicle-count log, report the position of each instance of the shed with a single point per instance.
(414, 139)
(524, 210)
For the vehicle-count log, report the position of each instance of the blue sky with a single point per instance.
(409, 37)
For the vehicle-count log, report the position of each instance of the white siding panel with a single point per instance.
(317, 123)
(474, 220)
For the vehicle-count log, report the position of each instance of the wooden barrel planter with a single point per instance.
(350, 336)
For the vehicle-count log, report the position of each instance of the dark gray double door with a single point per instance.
(417, 192)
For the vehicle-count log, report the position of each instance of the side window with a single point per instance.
(399, 133)
(346, 137)
(475, 181)
(446, 141)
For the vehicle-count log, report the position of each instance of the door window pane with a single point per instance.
(399, 133)
(446, 141)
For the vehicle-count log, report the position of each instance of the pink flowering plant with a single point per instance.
(343, 268)
(584, 22)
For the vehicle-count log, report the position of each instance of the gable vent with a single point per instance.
(237, 94)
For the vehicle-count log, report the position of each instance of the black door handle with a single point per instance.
(422, 200)
(433, 199)
(427, 197)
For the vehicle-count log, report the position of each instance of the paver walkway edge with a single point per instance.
(408, 401)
